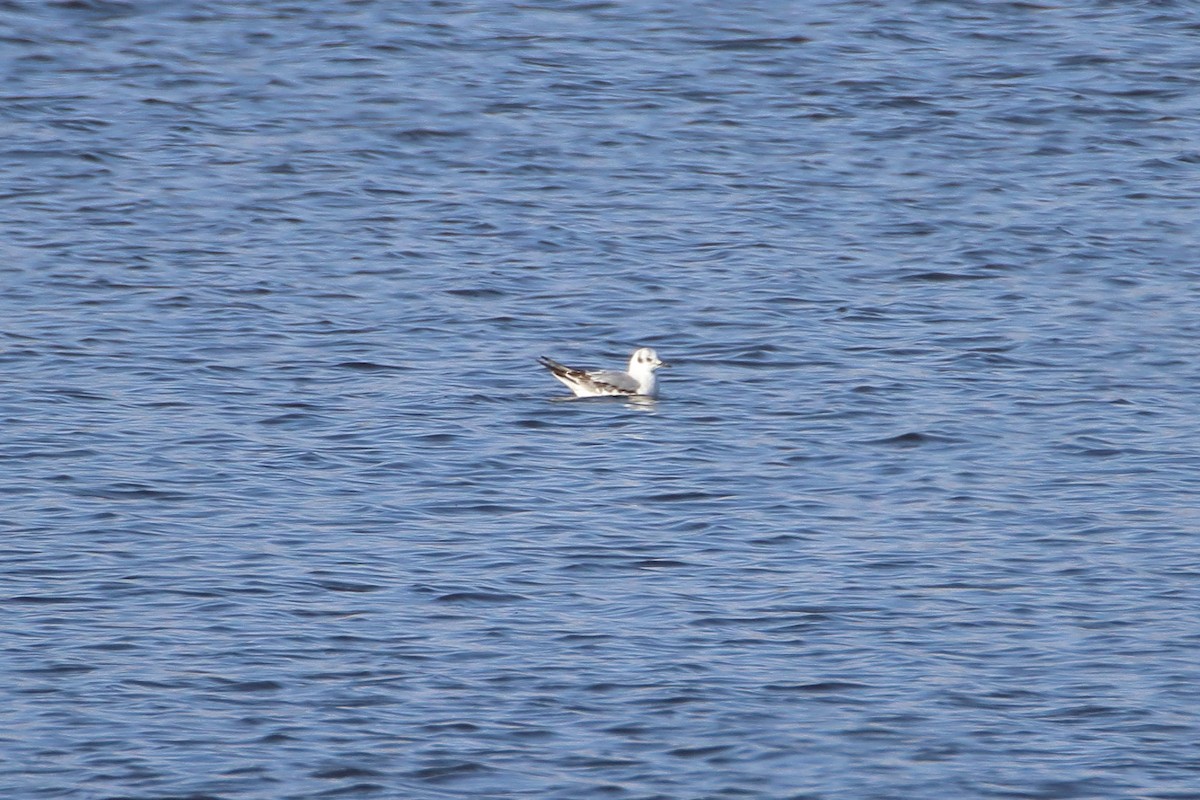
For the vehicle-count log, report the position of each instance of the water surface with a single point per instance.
(291, 511)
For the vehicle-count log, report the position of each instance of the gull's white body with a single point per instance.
(638, 380)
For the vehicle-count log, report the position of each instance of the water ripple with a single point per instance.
(292, 510)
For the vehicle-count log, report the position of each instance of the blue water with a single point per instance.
(290, 511)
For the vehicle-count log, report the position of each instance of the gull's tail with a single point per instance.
(554, 367)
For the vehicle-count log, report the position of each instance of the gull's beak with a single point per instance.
(663, 364)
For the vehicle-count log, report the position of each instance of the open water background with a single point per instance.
(290, 512)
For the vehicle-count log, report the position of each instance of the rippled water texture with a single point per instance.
(291, 511)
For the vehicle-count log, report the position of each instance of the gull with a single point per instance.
(639, 380)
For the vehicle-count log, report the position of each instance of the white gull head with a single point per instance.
(642, 364)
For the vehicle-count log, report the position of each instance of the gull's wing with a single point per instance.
(599, 382)
(621, 381)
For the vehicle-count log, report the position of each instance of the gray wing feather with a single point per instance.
(622, 381)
